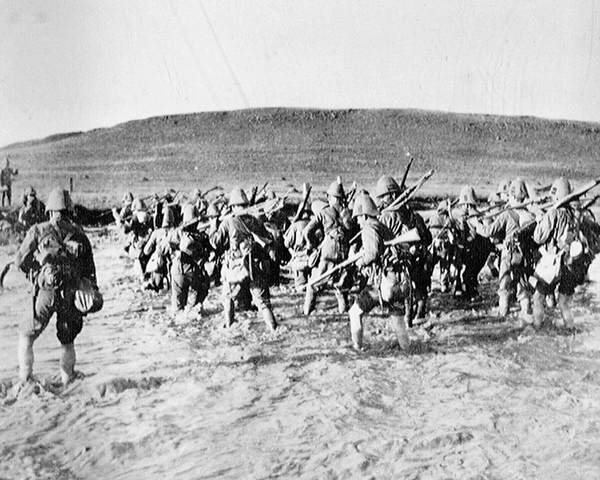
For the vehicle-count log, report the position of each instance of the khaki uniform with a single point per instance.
(336, 226)
(297, 245)
(55, 277)
(238, 235)
(387, 283)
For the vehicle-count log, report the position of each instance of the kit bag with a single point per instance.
(88, 298)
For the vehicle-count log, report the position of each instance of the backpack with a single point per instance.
(56, 257)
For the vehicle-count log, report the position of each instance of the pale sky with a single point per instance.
(75, 65)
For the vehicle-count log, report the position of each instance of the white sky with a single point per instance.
(79, 64)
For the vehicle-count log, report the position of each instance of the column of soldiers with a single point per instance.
(358, 243)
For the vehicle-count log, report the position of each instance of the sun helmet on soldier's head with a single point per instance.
(503, 187)
(188, 213)
(128, 198)
(212, 211)
(168, 219)
(442, 207)
(386, 185)
(518, 190)
(30, 191)
(138, 205)
(467, 196)
(336, 189)
(238, 197)
(560, 189)
(364, 205)
(59, 200)
(494, 198)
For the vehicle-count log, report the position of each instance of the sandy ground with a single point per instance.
(474, 399)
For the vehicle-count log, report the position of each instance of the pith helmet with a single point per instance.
(58, 200)
(212, 211)
(188, 213)
(30, 192)
(168, 219)
(238, 197)
(503, 187)
(138, 205)
(560, 188)
(494, 198)
(197, 193)
(364, 205)
(336, 190)
(386, 185)
(518, 189)
(128, 197)
(467, 196)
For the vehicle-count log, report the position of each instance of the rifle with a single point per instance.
(406, 172)
(509, 207)
(267, 207)
(4, 272)
(408, 237)
(408, 193)
(563, 201)
(306, 188)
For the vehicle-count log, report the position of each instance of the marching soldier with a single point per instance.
(443, 245)
(513, 273)
(385, 281)
(400, 221)
(298, 247)
(335, 223)
(139, 226)
(157, 249)
(245, 261)
(55, 256)
(33, 209)
(125, 211)
(555, 231)
(190, 250)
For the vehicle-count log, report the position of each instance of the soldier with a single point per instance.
(400, 221)
(335, 223)
(6, 180)
(384, 281)
(513, 273)
(190, 250)
(243, 238)
(125, 211)
(199, 202)
(139, 226)
(443, 246)
(474, 249)
(555, 231)
(298, 247)
(157, 249)
(55, 256)
(33, 210)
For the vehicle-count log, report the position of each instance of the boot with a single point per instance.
(525, 318)
(399, 325)
(309, 301)
(269, 319)
(538, 310)
(228, 313)
(503, 304)
(342, 299)
(356, 326)
(568, 319)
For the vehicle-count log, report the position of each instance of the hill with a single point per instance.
(289, 146)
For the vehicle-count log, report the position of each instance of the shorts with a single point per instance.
(47, 302)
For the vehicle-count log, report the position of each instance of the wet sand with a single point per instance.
(185, 399)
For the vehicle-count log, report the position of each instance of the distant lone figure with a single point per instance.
(6, 178)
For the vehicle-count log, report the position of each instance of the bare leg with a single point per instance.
(67, 363)
(25, 357)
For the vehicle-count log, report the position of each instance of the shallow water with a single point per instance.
(475, 398)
